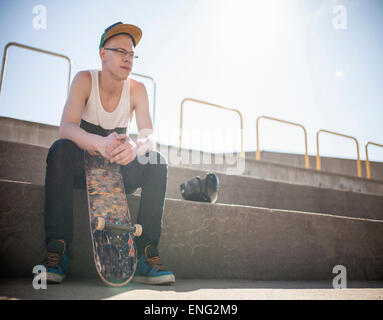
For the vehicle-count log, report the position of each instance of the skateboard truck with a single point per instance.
(101, 224)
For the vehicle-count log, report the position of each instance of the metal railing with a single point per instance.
(258, 154)
(368, 168)
(154, 92)
(318, 163)
(15, 44)
(242, 154)
(341, 135)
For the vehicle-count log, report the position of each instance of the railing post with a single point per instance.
(258, 155)
(154, 93)
(318, 165)
(15, 44)
(242, 154)
(368, 168)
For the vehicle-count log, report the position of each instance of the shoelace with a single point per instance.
(52, 259)
(155, 262)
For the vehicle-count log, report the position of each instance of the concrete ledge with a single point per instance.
(21, 131)
(328, 164)
(22, 162)
(14, 157)
(22, 230)
(273, 171)
(250, 191)
(26, 163)
(44, 135)
(206, 241)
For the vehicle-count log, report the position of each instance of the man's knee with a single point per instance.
(153, 157)
(60, 149)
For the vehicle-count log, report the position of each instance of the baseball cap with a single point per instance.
(121, 28)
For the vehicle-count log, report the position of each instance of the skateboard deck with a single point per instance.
(112, 233)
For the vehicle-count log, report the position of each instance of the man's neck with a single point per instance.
(110, 84)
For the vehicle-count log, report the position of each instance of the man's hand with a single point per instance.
(125, 152)
(107, 144)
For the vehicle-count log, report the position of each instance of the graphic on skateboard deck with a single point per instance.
(112, 233)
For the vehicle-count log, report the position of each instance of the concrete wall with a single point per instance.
(199, 240)
(207, 241)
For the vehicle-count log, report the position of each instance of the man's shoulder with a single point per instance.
(137, 92)
(83, 79)
(83, 75)
(137, 86)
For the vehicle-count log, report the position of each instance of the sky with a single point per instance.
(313, 62)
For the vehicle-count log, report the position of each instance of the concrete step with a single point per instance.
(21, 162)
(250, 191)
(26, 162)
(15, 130)
(341, 166)
(273, 171)
(207, 241)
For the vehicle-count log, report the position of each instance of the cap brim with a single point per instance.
(133, 30)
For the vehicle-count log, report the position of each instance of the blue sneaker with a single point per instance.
(56, 261)
(150, 270)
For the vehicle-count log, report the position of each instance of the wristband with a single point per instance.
(146, 141)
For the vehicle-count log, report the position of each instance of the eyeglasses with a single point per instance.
(123, 53)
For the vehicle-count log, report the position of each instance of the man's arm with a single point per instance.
(126, 152)
(70, 120)
(145, 140)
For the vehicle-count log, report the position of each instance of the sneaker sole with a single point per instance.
(55, 278)
(168, 279)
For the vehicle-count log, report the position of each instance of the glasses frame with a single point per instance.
(125, 54)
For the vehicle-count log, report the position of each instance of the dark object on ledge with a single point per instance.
(202, 190)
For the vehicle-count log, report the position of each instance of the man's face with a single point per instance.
(116, 62)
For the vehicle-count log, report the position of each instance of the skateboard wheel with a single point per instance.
(100, 223)
(138, 231)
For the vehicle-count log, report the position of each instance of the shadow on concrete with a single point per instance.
(95, 289)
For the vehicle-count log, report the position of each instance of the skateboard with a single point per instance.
(112, 233)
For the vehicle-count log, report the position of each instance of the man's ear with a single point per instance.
(102, 54)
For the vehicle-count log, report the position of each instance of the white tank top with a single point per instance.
(96, 114)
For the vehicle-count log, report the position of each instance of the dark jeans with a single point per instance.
(65, 171)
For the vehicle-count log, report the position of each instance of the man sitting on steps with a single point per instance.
(95, 118)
